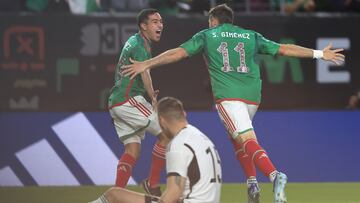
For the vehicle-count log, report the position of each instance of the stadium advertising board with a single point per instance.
(82, 148)
(49, 65)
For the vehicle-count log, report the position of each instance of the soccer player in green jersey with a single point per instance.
(232, 57)
(131, 113)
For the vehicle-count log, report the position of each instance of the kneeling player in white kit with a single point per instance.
(192, 163)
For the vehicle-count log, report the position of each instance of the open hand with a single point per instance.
(333, 55)
(133, 69)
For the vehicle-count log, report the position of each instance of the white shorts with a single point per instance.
(133, 118)
(237, 116)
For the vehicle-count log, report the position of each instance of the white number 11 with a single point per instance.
(223, 49)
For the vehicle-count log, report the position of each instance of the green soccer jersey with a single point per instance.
(232, 57)
(125, 88)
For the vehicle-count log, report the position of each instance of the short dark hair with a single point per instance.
(171, 108)
(144, 15)
(223, 13)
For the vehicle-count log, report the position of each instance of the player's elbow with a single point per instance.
(171, 199)
(174, 200)
(284, 49)
(172, 195)
(181, 53)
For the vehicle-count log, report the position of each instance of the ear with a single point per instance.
(161, 119)
(212, 21)
(216, 22)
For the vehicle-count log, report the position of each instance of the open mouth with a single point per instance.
(158, 32)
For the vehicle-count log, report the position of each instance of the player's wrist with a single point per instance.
(318, 54)
(148, 65)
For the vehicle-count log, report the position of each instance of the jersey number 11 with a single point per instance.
(223, 49)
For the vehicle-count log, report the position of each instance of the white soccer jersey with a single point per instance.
(192, 155)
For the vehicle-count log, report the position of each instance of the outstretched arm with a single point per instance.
(327, 54)
(170, 56)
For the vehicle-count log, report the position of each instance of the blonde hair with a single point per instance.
(171, 108)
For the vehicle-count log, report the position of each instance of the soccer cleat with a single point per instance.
(151, 191)
(279, 188)
(253, 193)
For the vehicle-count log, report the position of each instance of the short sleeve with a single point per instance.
(178, 161)
(195, 44)
(125, 54)
(266, 46)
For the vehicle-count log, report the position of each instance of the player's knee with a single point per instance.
(134, 154)
(133, 149)
(243, 137)
(111, 195)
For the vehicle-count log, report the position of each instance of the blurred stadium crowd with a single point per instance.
(174, 7)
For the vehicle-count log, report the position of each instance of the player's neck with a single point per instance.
(145, 36)
(177, 127)
(147, 41)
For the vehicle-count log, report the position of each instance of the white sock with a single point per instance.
(272, 175)
(251, 180)
(101, 199)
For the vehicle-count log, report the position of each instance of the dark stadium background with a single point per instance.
(56, 69)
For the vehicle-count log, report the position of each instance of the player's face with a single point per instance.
(213, 22)
(153, 27)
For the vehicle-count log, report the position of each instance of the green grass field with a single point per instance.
(231, 193)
